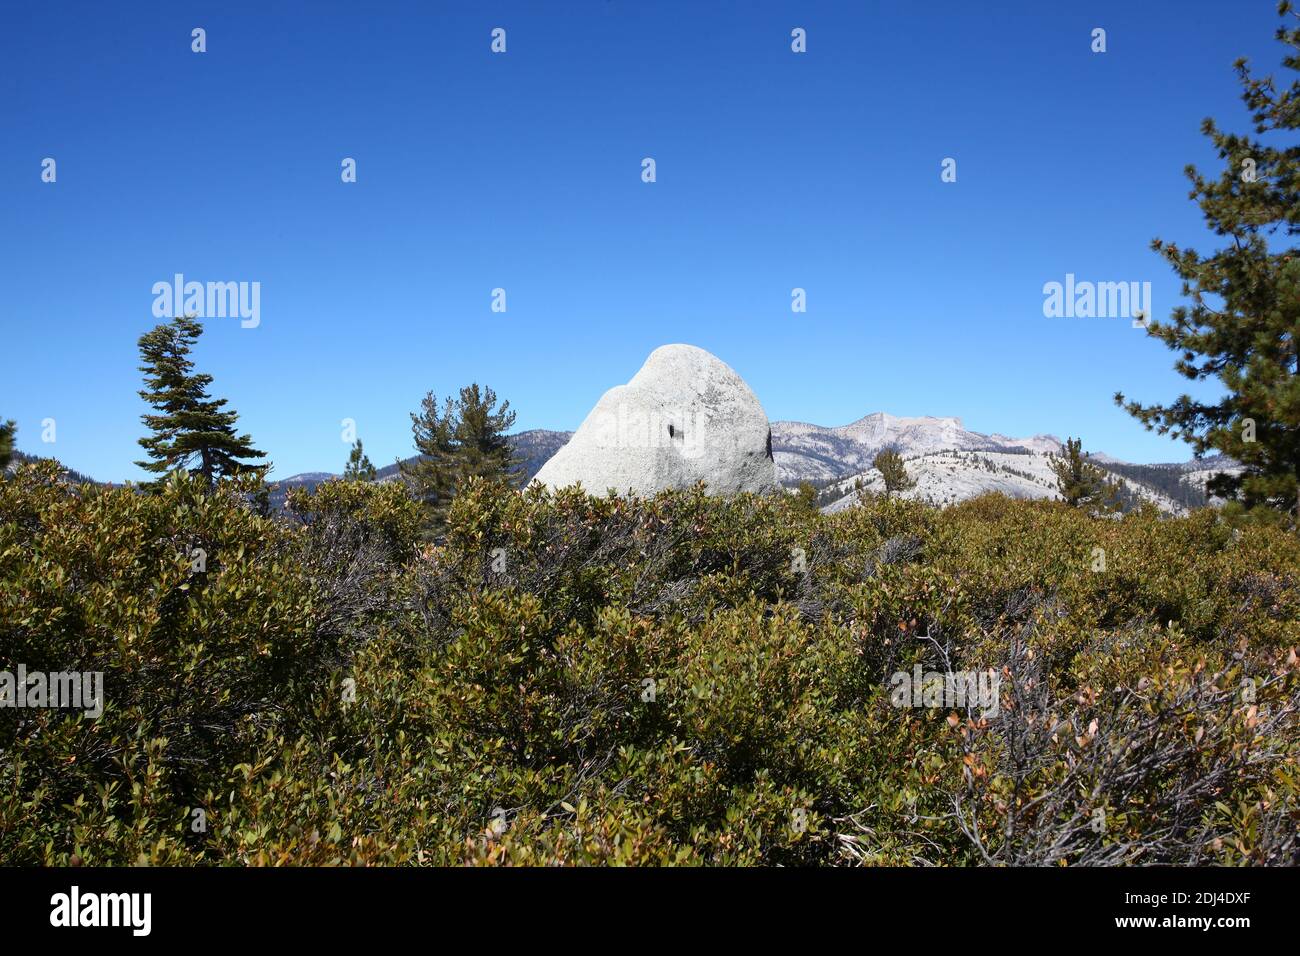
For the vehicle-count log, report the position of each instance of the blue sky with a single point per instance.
(522, 171)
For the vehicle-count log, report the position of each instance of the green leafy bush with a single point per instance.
(672, 680)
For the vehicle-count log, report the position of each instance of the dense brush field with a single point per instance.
(676, 680)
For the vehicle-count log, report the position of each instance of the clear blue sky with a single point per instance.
(523, 171)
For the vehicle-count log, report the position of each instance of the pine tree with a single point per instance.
(481, 447)
(890, 465)
(429, 474)
(191, 430)
(1242, 325)
(1081, 483)
(7, 430)
(806, 497)
(358, 467)
(465, 439)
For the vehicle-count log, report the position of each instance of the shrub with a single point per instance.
(676, 679)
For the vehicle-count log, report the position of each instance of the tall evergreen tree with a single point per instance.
(1081, 483)
(894, 473)
(1242, 325)
(481, 447)
(462, 440)
(358, 467)
(191, 430)
(429, 474)
(7, 430)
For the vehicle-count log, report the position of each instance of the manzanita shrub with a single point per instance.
(569, 679)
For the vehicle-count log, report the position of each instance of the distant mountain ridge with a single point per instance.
(816, 453)
(950, 462)
(948, 477)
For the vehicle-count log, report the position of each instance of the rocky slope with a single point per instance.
(815, 453)
(948, 477)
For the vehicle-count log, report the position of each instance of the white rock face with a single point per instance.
(685, 417)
